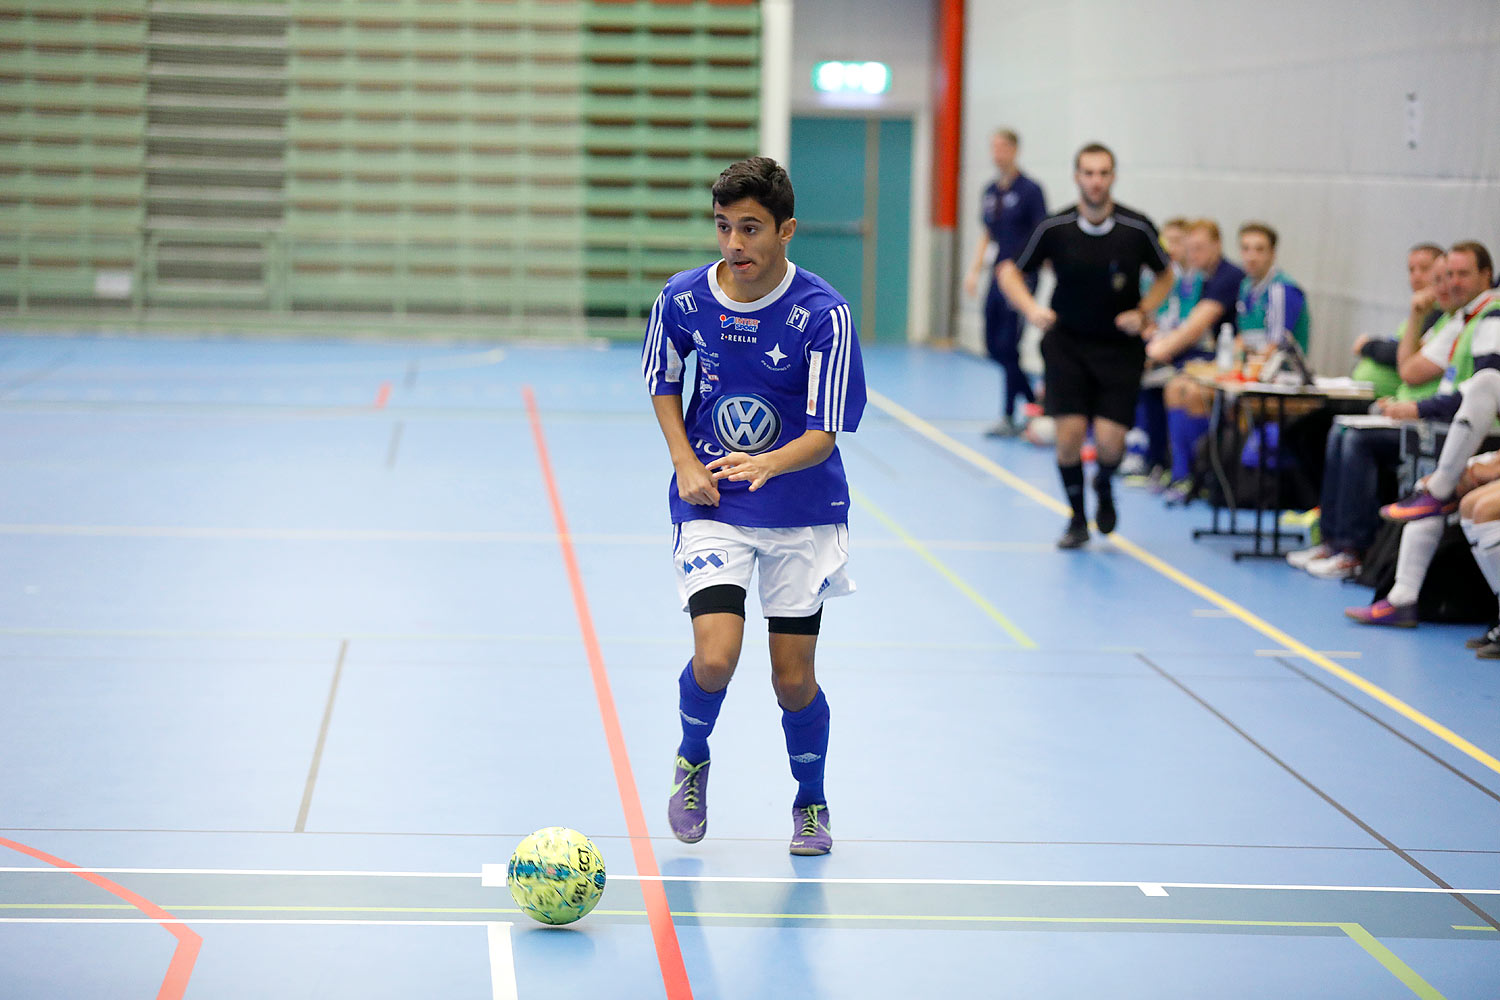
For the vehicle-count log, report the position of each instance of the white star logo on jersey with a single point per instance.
(775, 354)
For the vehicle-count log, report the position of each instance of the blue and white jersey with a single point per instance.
(767, 371)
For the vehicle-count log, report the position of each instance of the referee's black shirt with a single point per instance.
(1098, 268)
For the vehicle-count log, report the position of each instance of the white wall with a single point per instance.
(895, 32)
(898, 33)
(1289, 111)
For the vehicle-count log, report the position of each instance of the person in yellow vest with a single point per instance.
(1379, 358)
(1356, 454)
(1468, 401)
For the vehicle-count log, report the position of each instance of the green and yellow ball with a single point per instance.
(556, 875)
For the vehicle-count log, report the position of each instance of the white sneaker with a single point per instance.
(1134, 465)
(1339, 566)
(1302, 557)
(1002, 429)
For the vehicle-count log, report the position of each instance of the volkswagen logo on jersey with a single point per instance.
(746, 423)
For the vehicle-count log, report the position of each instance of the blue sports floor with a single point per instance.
(294, 645)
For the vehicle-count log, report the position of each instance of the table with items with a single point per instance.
(1254, 407)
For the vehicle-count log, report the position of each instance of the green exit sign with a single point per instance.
(851, 77)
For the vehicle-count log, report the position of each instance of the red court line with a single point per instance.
(188, 943)
(668, 951)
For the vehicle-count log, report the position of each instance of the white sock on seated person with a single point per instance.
(1419, 542)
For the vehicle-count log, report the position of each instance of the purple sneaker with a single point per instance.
(811, 833)
(687, 808)
(1383, 612)
(1417, 506)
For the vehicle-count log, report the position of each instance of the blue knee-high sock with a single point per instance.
(806, 747)
(1184, 430)
(699, 710)
(1155, 427)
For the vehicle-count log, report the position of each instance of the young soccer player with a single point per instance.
(758, 481)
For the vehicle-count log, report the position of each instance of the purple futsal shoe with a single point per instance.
(687, 808)
(1383, 612)
(1417, 506)
(811, 832)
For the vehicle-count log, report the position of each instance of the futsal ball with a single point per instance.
(555, 875)
(1041, 430)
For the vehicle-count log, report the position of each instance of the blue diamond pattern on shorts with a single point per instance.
(699, 562)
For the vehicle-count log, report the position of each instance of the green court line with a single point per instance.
(962, 585)
(1355, 932)
(1472, 927)
(1393, 965)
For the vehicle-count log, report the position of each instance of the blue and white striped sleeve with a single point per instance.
(662, 353)
(835, 373)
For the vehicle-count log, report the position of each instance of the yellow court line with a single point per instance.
(1276, 635)
(958, 582)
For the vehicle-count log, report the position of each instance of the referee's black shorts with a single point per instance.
(1093, 376)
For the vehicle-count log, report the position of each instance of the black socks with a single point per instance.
(1105, 516)
(1072, 480)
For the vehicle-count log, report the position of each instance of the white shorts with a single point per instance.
(800, 568)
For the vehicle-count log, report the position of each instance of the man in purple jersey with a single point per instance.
(1013, 205)
(758, 482)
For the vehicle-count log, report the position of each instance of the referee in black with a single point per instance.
(1091, 343)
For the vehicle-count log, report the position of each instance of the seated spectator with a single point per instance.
(1357, 456)
(1419, 543)
(1468, 398)
(1147, 443)
(1380, 358)
(1189, 283)
(1479, 514)
(1269, 307)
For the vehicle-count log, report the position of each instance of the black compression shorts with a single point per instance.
(1093, 376)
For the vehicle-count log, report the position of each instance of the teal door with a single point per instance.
(853, 182)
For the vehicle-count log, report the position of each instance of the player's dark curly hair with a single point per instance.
(760, 178)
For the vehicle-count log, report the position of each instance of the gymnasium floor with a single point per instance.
(299, 639)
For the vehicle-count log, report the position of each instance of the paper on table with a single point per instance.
(1365, 420)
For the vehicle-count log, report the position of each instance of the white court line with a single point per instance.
(1149, 888)
(312, 369)
(290, 921)
(502, 962)
(217, 533)
(314, 534)
(493, 875)
(288, 872)
(508, 637)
